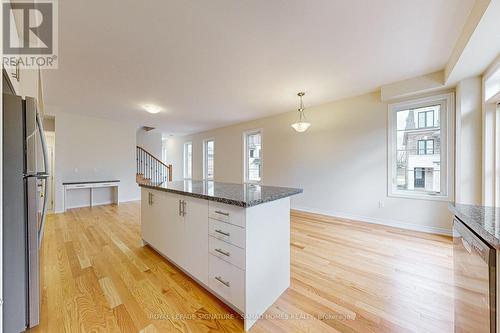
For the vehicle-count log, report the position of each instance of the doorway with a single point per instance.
(419, 177)
(51, 148)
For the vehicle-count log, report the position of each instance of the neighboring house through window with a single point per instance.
(253, 156)
(420, 147)
(188, 160)
(208, 159)
(164, 150)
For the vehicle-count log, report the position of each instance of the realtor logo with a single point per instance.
(30, 34)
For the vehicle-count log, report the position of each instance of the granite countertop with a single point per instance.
(242, 195)
(483, 220)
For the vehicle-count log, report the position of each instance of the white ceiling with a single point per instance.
(213, 63)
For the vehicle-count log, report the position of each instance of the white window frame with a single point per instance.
(205, 159)
(245, 157)
(164, 150)
(447, 116)
(185, 159)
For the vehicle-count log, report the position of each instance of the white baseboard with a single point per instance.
(130, 200)
(386, 222)
(98, 204)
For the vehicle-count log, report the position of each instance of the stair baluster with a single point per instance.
(151, 170)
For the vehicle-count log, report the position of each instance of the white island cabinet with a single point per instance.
(240, 254)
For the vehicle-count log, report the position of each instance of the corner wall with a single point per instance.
(468, 174)
(90, 148)
(340, 162)
(151, 141)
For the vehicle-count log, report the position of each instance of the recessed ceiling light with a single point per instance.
(152, 108)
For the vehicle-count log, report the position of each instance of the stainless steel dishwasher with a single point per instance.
(475, 281)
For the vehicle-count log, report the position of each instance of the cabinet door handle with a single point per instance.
(221, 213)
(226, 283)
(180, 208)
(227, 254)
(152, 202)
(222, 232)
(183, 208)
(149, 198)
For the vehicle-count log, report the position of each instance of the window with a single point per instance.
(426, 119)
(420, 152)
(188, 160)
(425, 147)
(208, 159)
(164, 150)
(253, 156)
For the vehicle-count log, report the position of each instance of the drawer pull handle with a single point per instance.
(227, 254)
(221, 213)
(226, 283)
(222, 232)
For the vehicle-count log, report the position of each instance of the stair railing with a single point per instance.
(151, 168)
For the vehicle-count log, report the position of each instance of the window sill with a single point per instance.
(416, 196)
(252, 182)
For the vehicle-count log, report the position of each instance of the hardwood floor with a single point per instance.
(345, 277)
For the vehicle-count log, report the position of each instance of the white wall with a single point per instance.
(89, 148)
(491, 137)
(151, 141)
(340, 162)
(468, 173)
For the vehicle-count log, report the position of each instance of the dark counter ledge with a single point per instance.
(483, 220)
(91, 182)
(242, 195)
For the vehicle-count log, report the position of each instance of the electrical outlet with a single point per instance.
(380, 204)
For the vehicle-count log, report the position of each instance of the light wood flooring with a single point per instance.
(345, 277)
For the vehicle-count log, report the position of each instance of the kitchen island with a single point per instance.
(233, 239)
(476, 256)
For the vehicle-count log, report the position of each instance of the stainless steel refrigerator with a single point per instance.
(24, 182)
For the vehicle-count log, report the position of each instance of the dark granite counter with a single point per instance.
(91, 182)
(483, 220)
(242, 195)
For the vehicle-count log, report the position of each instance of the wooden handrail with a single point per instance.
(153, 156)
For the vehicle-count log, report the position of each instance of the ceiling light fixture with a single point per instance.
(302, 125)
(152, 108)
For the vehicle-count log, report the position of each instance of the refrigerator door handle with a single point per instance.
(46, 170)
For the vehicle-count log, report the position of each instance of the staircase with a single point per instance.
(151, 170)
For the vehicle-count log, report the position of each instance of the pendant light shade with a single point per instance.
(302, 124)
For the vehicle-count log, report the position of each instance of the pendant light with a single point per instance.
(302, 124)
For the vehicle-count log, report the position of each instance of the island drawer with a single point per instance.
(227, 232)
(227, 213)
(228, 281)
(227, 252)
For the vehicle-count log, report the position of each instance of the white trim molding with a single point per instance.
(374, 220)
